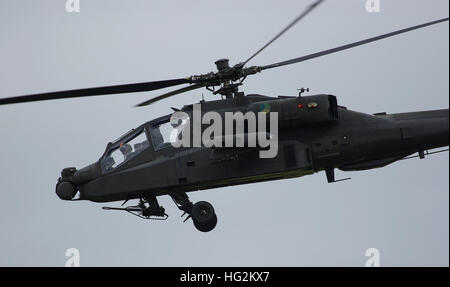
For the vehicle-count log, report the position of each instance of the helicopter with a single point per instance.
(306, 134)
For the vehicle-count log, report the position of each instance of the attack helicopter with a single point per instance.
(312, 133)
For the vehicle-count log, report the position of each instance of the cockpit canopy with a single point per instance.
(124, 149)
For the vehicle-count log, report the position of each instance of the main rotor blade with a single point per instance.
(107, 90)
(351, 45)
(301, 16)
(172, 93)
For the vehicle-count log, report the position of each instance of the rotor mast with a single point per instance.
(228, 88)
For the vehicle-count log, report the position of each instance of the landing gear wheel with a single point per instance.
(203, 216)
(206, 227)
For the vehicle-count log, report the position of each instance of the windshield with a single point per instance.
(161, 135)
(169, 131)
(124, 149)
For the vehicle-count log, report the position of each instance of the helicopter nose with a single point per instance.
(72, 180)
(65, 190)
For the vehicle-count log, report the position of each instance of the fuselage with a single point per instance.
(356, 141)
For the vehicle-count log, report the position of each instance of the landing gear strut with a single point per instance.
(202, 212)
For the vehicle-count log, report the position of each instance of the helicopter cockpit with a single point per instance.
(124, 149)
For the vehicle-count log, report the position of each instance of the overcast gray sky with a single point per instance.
(402, 209)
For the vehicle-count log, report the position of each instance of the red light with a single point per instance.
(300, 106)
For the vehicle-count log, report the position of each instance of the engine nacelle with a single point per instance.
(300, 111)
